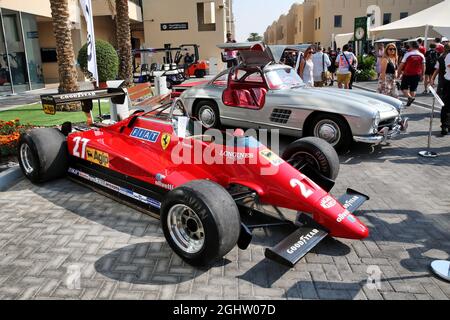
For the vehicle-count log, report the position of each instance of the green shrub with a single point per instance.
(366, 66)
(107, 61)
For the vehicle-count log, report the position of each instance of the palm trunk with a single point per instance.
(64, 46)
(123, 35)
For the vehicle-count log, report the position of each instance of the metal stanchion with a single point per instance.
(428, 153)
(441, 268)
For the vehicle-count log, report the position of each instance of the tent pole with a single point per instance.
(427, 30)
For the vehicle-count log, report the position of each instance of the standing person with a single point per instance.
(422, 48)
(306, 67)
(345, 62)
(353, 70)
(389, 66)
(440, 72)
(431, 58)
(412, 71)
(332, 68)
(380, 55)
(443, 70)
(439, 45)
(321, 62)
(231, 55)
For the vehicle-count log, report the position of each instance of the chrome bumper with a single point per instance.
(385, 134)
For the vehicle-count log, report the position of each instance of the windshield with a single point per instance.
(285, 78)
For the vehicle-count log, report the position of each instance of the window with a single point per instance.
(206, 16)
(403, 15)
(338, 21)
(387, 17)
(300, 26)
(315, 24)
(319, 24)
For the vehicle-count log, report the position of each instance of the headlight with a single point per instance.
(376, 122)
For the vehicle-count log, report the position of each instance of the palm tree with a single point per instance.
(123, 35)
(254, 36)
(64, 46)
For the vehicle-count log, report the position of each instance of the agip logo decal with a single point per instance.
(165, 140)
(145, 134)
(98, 157)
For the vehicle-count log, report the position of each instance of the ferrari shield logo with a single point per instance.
(165, 140)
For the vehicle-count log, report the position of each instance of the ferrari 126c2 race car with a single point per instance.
(206, 207)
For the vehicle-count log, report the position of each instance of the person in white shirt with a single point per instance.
(321, 62)
(305, 70)
(346, 61)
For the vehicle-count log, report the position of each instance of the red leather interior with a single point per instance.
(259, 96)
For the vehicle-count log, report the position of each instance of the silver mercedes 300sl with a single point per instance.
(263, 93)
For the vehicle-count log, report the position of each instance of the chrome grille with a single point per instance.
(280, 115)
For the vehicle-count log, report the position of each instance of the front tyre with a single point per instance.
(314, 152)
(201, 222)
(331, 128)
(43, 154)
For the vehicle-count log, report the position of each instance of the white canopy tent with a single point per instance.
(436, 17)
(387, 40)
(342, 39)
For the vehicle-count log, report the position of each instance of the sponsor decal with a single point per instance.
(78, 95)
(350, 202)
(303, 240)
(328, 202)
(49, 109)
(272, 157)
(145, 134)
(342, 216)
(164, 185)
(124, 191)
(236, 155)
(98, 157)
(165, 140)
(160, 177)
(351, 218)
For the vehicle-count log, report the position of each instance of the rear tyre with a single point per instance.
(201, 222)
(43, 155)
(315, 152)
(331, 128)
(200, 73)
(208, 114)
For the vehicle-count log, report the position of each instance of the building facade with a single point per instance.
(201, 22)
(28, 47)
(317, 21)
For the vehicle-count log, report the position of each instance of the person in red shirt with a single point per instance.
(439, 45)
(422, 48)
(412, 71)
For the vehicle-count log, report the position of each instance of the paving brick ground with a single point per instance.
(50, 233)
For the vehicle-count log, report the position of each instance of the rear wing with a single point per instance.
(49, 102)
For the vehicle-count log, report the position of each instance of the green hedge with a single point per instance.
(107, 61)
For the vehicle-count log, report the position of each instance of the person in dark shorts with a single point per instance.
(443, 70)
(332, 69)
(412, 71)
(431, 58)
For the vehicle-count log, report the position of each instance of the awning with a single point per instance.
(386, 40)
(435, 16)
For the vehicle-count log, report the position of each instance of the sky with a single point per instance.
(257, 15)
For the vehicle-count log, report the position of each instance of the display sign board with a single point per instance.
(436, 96)
(174, 26)
(360, 29)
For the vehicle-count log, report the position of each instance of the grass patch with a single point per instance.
(35, 116)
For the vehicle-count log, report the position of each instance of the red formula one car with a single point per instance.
(208, 204)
